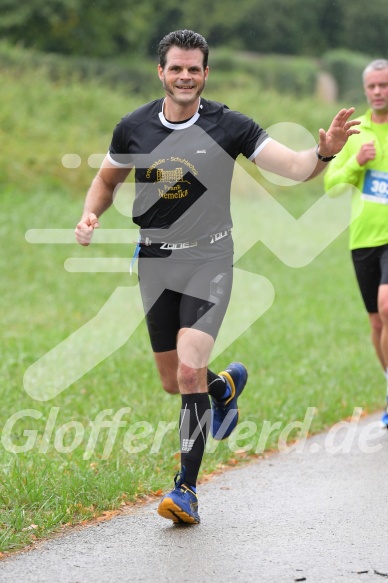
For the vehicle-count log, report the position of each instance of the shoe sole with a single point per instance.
(168, 509)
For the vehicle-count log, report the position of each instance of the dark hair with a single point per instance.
(184, 39)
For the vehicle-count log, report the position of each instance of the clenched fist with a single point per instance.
(84, 229)
(367, 152)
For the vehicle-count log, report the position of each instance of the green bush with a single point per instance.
(294, 75)
(135, 76)
(346, 68)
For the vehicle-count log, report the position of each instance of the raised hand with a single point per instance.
(333, 140)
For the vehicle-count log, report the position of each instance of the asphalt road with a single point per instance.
(317, 515)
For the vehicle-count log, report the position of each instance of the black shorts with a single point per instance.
(182, 294)
(371, 267)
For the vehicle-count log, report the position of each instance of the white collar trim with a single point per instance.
(179, 126)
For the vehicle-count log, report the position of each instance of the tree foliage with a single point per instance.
(118, 28)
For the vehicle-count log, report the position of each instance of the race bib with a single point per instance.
(376, 186)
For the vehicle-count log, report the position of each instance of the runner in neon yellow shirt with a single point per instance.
(363, 163)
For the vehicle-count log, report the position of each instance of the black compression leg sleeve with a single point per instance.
(194, 427)
(216, 385)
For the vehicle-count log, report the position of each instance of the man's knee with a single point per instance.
(383, 303)
(375, 322)
(194, 348)
(188, 377)
(383, 312)
(167, 364)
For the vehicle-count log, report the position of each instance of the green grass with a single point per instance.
(310, 349)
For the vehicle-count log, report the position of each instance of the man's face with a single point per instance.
(183, 76)
(376, 90)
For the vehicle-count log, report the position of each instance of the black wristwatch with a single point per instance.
(323, 158)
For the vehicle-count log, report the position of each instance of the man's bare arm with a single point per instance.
(99, 198)
(304, 165)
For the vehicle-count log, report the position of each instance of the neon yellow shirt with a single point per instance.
(369, 227)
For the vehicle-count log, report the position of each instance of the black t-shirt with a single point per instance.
(184, 170)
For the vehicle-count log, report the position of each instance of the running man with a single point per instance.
(364, 163)
(183, 148)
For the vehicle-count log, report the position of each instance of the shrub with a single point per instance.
(284, 74)
(138, 77)
(346, 67)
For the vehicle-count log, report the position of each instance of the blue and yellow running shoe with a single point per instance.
(384, 418)
(181, 504)
(225, 412)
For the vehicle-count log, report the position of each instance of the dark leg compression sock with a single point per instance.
(194, 427)
(217, 386)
